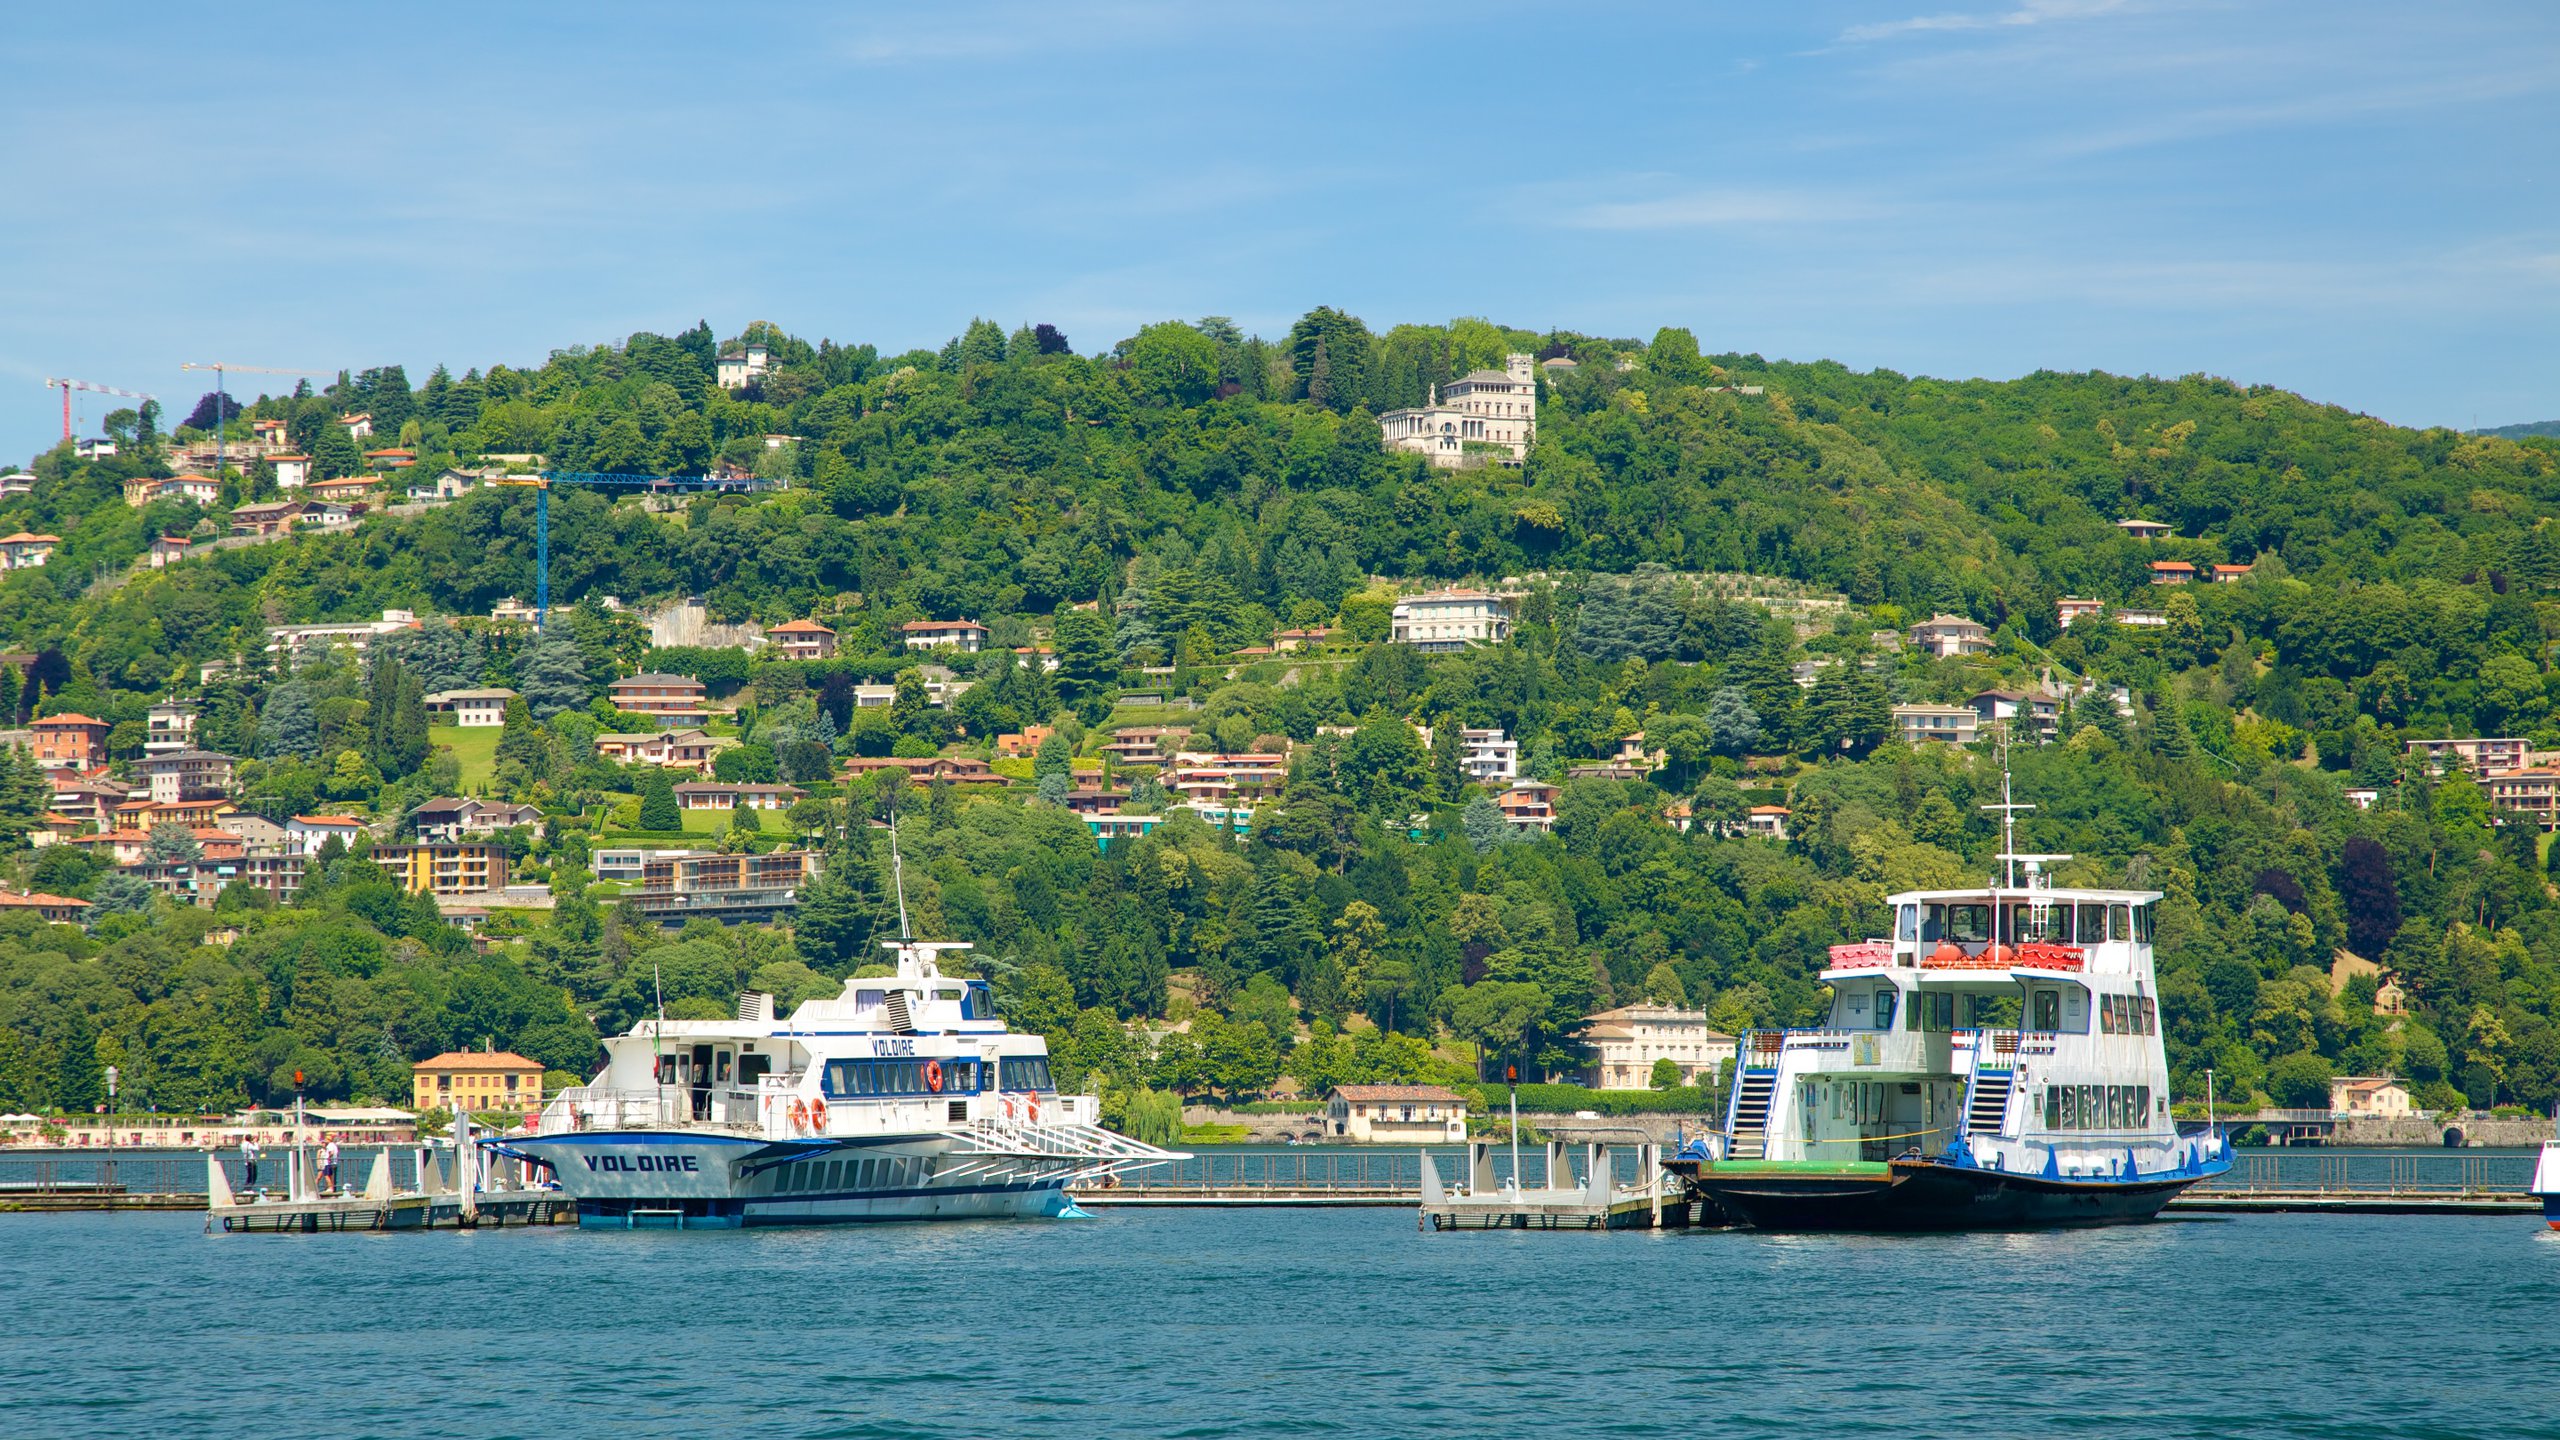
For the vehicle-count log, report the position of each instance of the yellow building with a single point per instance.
(478, 1080)
(445, 869)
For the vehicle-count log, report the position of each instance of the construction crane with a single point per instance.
(541, 485)
(222, 396)
(67, 386)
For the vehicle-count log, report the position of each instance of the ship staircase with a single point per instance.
(1986, 1100)
(1750, 1123)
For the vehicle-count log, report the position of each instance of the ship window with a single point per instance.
(2144, 917)
(1884, 1009)
(2053, 1107)
(2150, 1016)
(1907, 922)
(2048, 1010)
(2092, 926)
(1968, 924)
(666, 1069)
(2119, 922)
(753, 1068)
(2107, 1014)
(866, 999)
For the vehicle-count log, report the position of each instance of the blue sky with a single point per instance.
(2352, 200)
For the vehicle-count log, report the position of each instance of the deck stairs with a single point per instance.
(1987, 1111)
(1751, 1115)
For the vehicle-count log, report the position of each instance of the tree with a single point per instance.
(172, 843)
(121, 893)
(334, 453)
(1087, 664)
(1666, 1073)
(658, 809)
(1482, 823)
(1733, 727)
(1341, 382)
(2300, 1082)
(2371, 894)
(1172, 364)
(552, 675)
(290, 723)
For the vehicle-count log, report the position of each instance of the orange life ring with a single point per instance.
(799, 1114)
(818, 1115)
(933, 1076)
(1031, 1106)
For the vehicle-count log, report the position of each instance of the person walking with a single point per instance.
(249, 1163)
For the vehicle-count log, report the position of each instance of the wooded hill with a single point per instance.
(1205, 488)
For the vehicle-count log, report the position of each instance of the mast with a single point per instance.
(2008, 808)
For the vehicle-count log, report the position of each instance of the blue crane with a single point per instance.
(541, 485)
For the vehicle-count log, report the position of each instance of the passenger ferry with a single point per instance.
(903, 1098)
(1997, 1063)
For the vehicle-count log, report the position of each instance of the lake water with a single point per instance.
(1283, 1323)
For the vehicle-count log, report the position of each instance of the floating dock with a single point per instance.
(477, 1194)
(1599, 1203)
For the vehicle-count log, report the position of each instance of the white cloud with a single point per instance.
(1719, 207)
(2032, 12)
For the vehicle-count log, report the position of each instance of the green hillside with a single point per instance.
(1201, 489)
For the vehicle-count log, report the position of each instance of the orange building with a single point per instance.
(70, 742)
(476, 1080)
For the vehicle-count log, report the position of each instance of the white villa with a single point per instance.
(1626, 1042)
(1491, 410)
(1451, 620)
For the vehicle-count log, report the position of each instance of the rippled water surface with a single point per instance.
(1282, 1322)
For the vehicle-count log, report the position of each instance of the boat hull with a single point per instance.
(681, 1179)
(1928, 1196)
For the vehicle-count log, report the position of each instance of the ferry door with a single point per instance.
(701, 1082)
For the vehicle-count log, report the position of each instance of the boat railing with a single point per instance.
(594, 1107)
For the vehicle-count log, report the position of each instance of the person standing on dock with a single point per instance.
(329, 1168)
(249, 1164)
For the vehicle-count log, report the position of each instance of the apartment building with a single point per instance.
(1936, 724)
(668, 699)
(445, 867)
(802, 640)
(2479, 756)
(678, 887)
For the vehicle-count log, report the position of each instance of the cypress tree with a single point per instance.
(658, 810)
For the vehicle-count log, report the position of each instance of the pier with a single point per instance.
(2310, 1180)
(2403, 1182)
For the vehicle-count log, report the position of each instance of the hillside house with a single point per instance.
(1625, 1043)
(472, 709)
(687, 749)
(669, 699)
(1444, 620)
(2172, 572)
(716, 795)
(1947, 636)
(738, 369)
(69, 741)
(802, 640)
(1483, 414)
(292, 471)
(26, 551)
(966, 636)
(1936, 724)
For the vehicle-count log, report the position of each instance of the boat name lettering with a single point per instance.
(893, 1047)
(687, 1163)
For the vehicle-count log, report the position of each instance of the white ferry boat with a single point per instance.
(2546, 1178)
(903, 1098)
(1997, 1063)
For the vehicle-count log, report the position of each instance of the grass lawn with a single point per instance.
(476, 746)
(714, 822)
